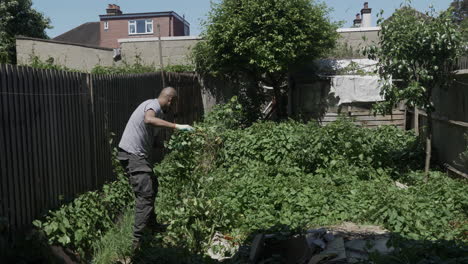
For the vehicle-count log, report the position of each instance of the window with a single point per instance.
(106, 25)
(143, 26)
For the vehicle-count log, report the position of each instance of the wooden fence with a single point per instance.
(449, 123)
(462, 63)
(55, 131)
(366, 117)
(310, 99)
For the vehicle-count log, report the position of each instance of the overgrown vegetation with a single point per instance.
(116, 243)
(125, 68)
(353, 68)
(238, 181)
(421, 50)
(84, 221)
(48, 64)
(138, 68)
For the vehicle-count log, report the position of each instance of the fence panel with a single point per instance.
(450, 124)
(55, 131)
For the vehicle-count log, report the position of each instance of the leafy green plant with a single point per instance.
(240, 179)
(179, 68)
(138, 68)
(82, 222)
(421, 50)
(227, 116)
(354, 69)
(49, 64)
(124, 69)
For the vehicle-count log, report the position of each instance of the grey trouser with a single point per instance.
(145, 187)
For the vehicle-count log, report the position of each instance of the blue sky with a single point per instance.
(67, 14)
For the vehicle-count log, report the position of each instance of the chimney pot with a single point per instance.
(113, 9)
(366, 15)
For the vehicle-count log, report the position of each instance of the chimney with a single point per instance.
(366, 14)
(357, 22)
(113, 10)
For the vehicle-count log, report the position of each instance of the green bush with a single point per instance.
(237, 180)
(138, 68)
(49, 64)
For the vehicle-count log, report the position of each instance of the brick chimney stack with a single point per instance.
(113, 10)
(366, 14)
(357, 22)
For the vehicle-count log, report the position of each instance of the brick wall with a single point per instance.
(74, 56)
(118, 29)
(358, 38)
(175, 50)
(178, 27)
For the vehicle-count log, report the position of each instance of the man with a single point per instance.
(134, 149)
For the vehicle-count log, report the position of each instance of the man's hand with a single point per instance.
(184, 127)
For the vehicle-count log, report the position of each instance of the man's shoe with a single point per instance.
(136, 244)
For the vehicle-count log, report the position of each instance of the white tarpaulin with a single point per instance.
(356, 88)
(330, 66)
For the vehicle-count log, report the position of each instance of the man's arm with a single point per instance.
(150, 118)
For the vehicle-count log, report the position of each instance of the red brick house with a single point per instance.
(116, 25)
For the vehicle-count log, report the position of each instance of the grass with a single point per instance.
(116, 244)
(116, 247)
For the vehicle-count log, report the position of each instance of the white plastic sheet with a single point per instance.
(356, 88)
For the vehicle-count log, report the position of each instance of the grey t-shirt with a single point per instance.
(138, 137)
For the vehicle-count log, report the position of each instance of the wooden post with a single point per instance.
(161, 58)
(416, 121)
(92, 181)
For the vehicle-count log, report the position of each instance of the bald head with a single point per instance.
(166, 97)
(168, 91)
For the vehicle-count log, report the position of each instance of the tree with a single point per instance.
(17, 17)
(459, 9)
(421, 50)
(264, 40)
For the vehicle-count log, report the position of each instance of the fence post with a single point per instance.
(416, 121)
(92, 129)
(160, 57)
